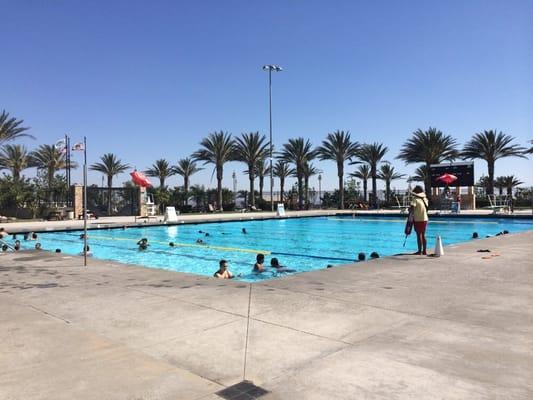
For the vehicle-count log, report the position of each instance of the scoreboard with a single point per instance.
(464, 171)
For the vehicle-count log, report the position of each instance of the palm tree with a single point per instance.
(263, 169)
(421, 174)
(510, 182)
(309, 170)
(185, 168)
(338, 147)
(160, 169)
(363, 173)
(491, 146)
(298, 151)
(15, 158)
(110, 166)
(428, 147)
(282, 171)
(499, 183)
(388, 174)
(218, 148)
(10, 128)
(49, 159)
(251, 148)
(372, 154)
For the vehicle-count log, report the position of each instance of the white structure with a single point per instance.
(171, 215)
(281, 210)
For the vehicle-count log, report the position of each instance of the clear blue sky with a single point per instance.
(149, 79)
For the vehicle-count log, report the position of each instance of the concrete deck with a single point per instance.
(405, 327)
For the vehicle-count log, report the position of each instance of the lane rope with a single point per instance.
(177, 244)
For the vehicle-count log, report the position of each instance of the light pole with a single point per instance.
(320, 190)
(270, 68)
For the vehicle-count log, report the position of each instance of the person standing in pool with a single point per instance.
(223, 271)
(274, 263)
(259, 264)
(419, 208)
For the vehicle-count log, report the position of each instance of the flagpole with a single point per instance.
(84, 201)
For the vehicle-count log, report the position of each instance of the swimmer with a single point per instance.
(374, 255)
(82, 236)
(200, 241)
(244, 231)
(475, 235)
(58, 250)
(207, 234)
(171, 244)
(38, 246)
(143, 246)
(259, 264)
(274, 263)
(223, 271)
(5, 247)
(361, 257)
(142, 241)
(33, 236)
(17, 245)
(329, 266)
(26, 236)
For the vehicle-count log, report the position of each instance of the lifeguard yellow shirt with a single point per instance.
(420, 204)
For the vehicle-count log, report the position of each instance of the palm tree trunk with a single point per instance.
(365, 189)
(374, 191)
(161, 183)
(490, 182)
(109, 186)
(281, 188)
(50, 180)
(340, 172)
(387, 191)
(427, 182)
(306, 186)
(261, 185)
(500, 189)
(251, 176)
(220, 174)
(186, 189)
(510, 191)
(300, 190)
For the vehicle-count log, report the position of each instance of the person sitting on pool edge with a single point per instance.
(419, 208)
(259, 264)
(274, 263)
(223, 271)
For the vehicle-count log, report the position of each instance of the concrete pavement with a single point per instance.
(404, 327)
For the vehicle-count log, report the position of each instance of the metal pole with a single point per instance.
(270, 111)
(84, 201)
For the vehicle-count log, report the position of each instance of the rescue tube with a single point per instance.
(140, 179)
(409, 223)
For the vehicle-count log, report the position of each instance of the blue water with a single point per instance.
(302, 244)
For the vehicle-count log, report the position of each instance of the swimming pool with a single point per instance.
(302, 244)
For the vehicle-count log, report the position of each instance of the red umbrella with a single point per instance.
(447, 178)
(140, 179)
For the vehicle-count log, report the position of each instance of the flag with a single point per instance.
(61, 146)
(78, 147)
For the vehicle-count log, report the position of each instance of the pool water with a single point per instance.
(302, 244)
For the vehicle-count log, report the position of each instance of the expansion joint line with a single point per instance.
(247, 329)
